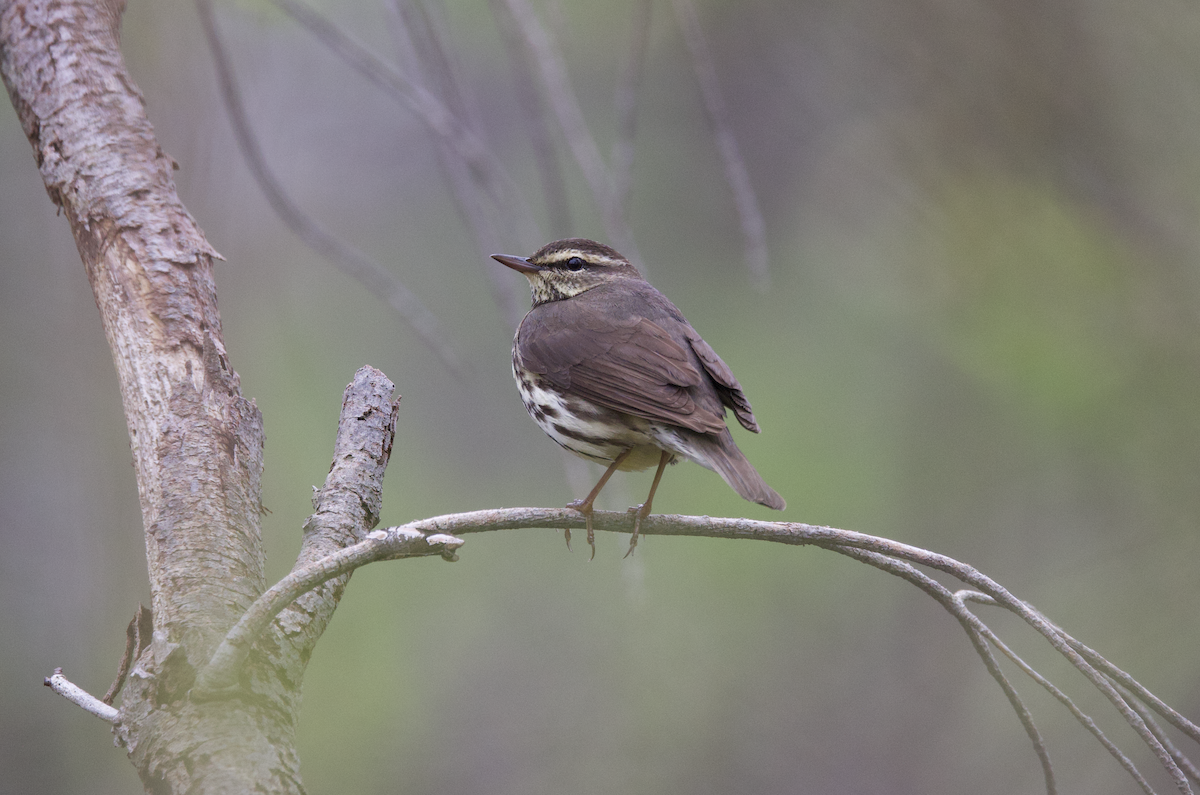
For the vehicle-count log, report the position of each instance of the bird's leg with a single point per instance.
(644, 509)
(584, 506)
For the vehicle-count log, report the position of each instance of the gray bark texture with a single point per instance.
(196, 442)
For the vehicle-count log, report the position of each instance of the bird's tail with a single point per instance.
(720, 454)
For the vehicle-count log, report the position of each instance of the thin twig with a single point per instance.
(1154, 702)
(131, 644)
(1061, 641)
(1126, 685)
(455, 132)
(979, 636)
(354, 263)
(1067, 646)
(471, 164)
(422, 41)
(532, 117)
(80, 697)
(475, 192)
(1084, 719)
(1181, 759)
(556, 85)
(754, 229)
(625, 105)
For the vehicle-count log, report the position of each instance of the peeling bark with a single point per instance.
(196, 442)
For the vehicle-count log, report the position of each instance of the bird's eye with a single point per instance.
(575, 264)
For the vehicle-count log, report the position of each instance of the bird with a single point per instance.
(613, 372)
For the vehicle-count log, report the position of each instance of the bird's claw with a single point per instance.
(584, 508)
(639, 513)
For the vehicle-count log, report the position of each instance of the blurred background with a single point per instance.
(979, 336)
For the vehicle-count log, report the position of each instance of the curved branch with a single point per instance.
(1186, 765)
(980, 635)
(220, 676)
(961, 598)
(486, 196)
(438, 535)
(1154, 702)
(346, 258)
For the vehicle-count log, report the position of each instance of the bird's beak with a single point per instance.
(520, 264)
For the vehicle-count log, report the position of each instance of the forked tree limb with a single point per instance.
(336, 541)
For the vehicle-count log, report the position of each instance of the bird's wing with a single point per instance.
(631, 365)
(728, 386)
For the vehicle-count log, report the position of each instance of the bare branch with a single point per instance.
(478, 193)
(625, 104)
(1061, 641)
(1181, 759)
(1084, 719)
(754, 229)
(1151, 700)
(345, 509)
(336, 540)
(378, 280)
(427, 59)
(844, 542)
(535, 124)
(348, 503)
(80, 697)
(472, 163)
(423, 537)
(979, 634)
(557, 88)
(220, 676)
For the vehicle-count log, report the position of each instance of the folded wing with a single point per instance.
(634, 366)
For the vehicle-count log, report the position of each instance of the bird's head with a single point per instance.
(569, 267)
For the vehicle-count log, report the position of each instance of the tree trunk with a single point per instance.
(196, 442)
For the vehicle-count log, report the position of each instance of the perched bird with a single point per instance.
(613, 372)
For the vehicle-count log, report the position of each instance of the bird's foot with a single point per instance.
(639, 512)
(584, 508)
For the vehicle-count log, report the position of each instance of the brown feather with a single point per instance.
(727, 386)
(627, 358)
(720, 454)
